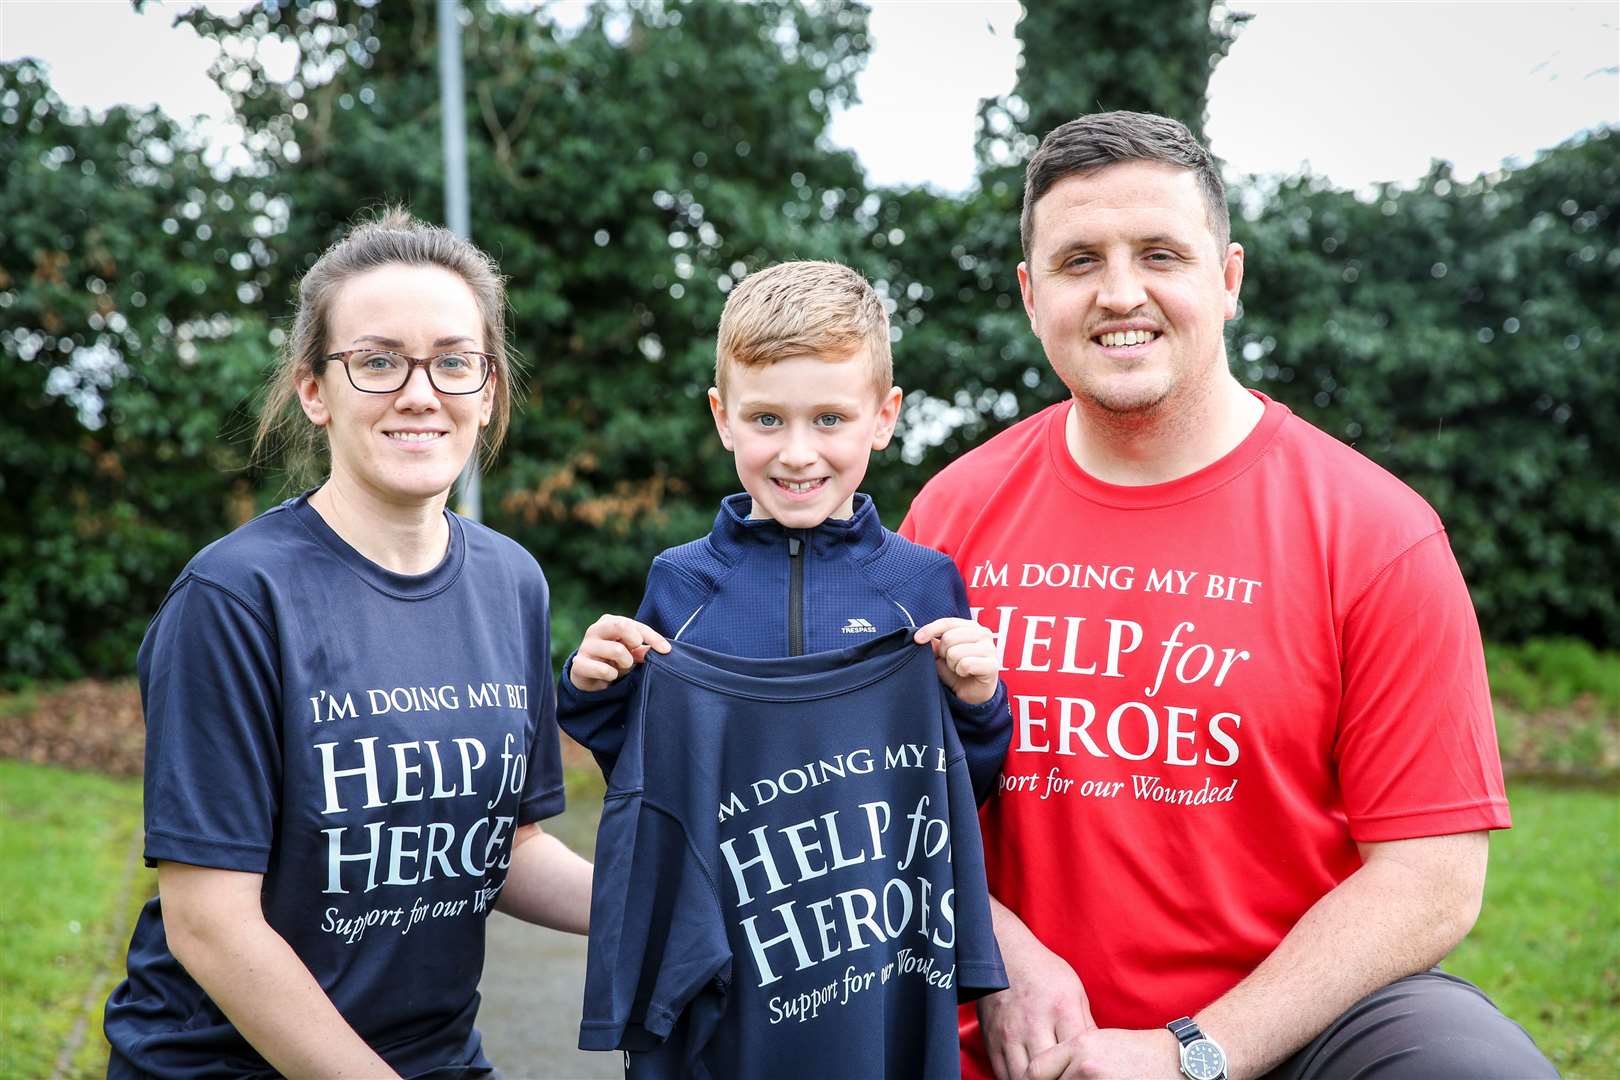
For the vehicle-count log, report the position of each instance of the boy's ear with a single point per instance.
(717, 406)
(312, 401)
(887, 416)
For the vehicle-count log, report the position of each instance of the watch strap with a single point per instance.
(1185, 1030)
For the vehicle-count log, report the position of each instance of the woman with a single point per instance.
(349, 708)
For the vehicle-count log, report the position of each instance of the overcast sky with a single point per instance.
(1363, 92)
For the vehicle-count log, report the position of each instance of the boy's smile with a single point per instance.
(803, 430)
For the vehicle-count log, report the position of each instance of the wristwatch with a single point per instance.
(1201, 1057)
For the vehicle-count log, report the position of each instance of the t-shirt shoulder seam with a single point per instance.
(241, 600)
(1003, 444)
(686, 835)
(1384, 568)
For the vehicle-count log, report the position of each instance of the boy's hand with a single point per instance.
(965, 654)
(612, 646)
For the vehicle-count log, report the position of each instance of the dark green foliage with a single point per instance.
(1455, 333)
(1079, 58)
(624, 174)
(1463, 336)
(121, 375)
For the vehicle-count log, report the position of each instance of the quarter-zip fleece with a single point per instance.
(736, 590)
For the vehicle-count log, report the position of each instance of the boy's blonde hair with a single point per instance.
(804, 308)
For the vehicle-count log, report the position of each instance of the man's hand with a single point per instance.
(1046, 1004)
(1110, 1054)
(612, 646)
(965, 654)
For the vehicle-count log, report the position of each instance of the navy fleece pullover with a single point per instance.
(755, 589)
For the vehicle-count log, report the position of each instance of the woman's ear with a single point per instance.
(313, 400)
(488, 405)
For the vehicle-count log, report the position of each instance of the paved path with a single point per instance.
(534, 982)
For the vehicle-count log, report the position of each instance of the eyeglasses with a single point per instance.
(378, 371)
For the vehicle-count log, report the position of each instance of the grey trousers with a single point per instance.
(1429, 1026)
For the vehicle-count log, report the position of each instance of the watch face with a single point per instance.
(1203, 1060)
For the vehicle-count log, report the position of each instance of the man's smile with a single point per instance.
(1126, 337)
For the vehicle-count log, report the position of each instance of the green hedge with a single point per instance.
(624, 173)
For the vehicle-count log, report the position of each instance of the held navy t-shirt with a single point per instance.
(789, 877)
(368, 742)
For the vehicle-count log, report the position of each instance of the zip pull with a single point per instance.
(795, 598)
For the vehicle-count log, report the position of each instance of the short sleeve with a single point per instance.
(657, 942)
(543, 790)
(1416, 743)
(212, 698)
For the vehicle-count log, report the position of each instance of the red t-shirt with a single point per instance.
(1219, 685)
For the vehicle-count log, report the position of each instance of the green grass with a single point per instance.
(65, 854)
(1547, 946)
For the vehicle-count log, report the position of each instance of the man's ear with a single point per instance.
(1026, 289)
(313, 401)
(1232, 277)
(887, 416)
(722, 424)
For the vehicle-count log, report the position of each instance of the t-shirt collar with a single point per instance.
(1148, 496)
(402, 586)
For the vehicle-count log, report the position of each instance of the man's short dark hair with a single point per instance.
(1092, 142)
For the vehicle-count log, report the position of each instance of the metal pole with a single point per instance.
(452, 99)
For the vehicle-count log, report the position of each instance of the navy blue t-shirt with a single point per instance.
(368, 741)
(789, 877)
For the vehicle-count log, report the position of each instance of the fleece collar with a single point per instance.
(856, 537)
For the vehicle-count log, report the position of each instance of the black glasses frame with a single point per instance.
(411, 364)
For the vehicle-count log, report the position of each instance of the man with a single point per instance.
(1254, 762)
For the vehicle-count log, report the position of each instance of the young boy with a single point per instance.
(798, 562)
(845, 850)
